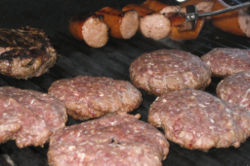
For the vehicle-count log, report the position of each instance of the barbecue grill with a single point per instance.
(113, 60)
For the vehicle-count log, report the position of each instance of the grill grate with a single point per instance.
(113, 61)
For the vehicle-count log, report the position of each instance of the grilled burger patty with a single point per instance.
(227, 61)
(25, 52)
(29, 117)
(197, 120)
(113, 140)
(165, 70)
(89, 97)
(236, 89)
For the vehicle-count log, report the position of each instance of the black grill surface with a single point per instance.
(112, 61)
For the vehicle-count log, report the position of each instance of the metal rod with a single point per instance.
(225, 10)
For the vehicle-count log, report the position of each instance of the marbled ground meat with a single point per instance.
(195, 119)
(164, 70)
(88, 97)
(29, 117)
(236, 89)
(227, 61)
(113, 140)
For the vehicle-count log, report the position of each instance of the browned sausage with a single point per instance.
(172, 13)
(160, 7)
(91, 29)
(176, 34)
(152, 25)
(122, 24)
(201, 5)
(236, 22)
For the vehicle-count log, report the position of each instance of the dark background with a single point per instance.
(113, 61)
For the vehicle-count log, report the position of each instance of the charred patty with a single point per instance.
(25, 52)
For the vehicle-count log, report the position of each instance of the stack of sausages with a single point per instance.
(154, 20)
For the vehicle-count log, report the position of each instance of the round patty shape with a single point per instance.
(89, 97)
(113, 140)
(29, 117)
(25, 52)
(164, 70)
(227, 61)
(195, 119)
(235, 89)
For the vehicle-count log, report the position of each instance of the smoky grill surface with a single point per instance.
(113, 60)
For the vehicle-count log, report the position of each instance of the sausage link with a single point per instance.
(122, 25)
(172, 13)
(178, 35)
(152, 25)
(201, 5)
(160, 7)
(236, 22)
(91, 29)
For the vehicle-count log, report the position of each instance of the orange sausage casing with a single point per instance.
(201, 5)
(236, 22)
(91, 29)
(122, 25)
(175, 34)
(154, 5)
(152, 25)
(142, 11)
(160, 7)
(172, 13)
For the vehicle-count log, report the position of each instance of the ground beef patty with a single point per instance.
(113, 140)
(164, 70)
(25, 52)
(89, 97)
(236, 89)
(29, 117)
(227, 61)
(197, 120)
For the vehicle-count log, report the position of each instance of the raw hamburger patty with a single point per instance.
(25, 52)
(197, 120)
(227, 61)
(113, 140)
(164, 70)
(89, 97)
(236, 89)
(29, 117)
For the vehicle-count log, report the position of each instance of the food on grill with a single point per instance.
(29, 117)
(91, 29)
(236, 22)
(201, 5)
(122, 25)
(164, 70)
(113, 140)
(89, 97)
(235, 89)
(162, 8)
(227, 61)
(197, 120)
(179, 32)
(25, 52)
(173, 13)
(152, 25)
